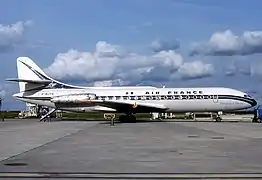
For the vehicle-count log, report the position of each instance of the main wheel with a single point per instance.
(218, 119)
(254, 120)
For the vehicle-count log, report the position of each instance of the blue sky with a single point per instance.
(149, 42)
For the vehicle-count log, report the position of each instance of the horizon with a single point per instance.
(175, 43)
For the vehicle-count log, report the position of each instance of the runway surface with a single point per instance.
(78, 149)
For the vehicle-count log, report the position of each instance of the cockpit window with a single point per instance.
(247, 96)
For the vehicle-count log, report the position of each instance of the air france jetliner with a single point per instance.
(38, 88)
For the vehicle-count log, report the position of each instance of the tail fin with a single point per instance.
(27, 69)
(30, 76)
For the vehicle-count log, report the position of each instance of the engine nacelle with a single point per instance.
(73, 98)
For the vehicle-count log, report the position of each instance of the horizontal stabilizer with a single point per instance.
(45, 82)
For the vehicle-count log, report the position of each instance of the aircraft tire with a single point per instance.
(254, 120)
(218, 119)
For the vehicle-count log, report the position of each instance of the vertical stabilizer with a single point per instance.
(28, 71)
(31, 77)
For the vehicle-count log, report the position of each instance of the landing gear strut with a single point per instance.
(111, 117)
(217, 117)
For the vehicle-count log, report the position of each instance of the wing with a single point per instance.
(119, 106)
(133, 106)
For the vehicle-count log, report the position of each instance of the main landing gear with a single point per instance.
(217, 117)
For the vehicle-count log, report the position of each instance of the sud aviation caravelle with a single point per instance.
(38, 88)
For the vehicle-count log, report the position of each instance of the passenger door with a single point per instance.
(215, 98)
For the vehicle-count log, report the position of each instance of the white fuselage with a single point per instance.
(175, 99)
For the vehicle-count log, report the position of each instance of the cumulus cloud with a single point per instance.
(7, 89)
(2, 93)
(256, 69)
(11, 35)
(160, 45)
(108, 65)
(195, 69)
(238, 67)
(228, 44)
(109, 83)
(231, 72)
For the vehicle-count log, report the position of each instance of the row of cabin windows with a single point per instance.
(156, 92)
(168, 97)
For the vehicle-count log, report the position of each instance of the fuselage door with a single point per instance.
(215, 98)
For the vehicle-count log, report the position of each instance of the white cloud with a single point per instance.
(109, 83)
(256, 69)
(11, 35)
(160, 45)
(2, 93)
(228, 44)
(196, 69)
(169, 59)
(238, 67)
(7, 89)
(109, 65)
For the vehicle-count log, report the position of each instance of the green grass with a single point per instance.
(14, 114)
(97, 115)
(9, 114)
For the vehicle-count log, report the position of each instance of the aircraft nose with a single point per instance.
(253, 102)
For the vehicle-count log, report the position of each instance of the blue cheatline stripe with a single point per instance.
(239, 98)
(226, 97)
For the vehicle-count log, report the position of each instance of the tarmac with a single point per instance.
(142, 150)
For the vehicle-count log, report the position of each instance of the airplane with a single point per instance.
(36, 87)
